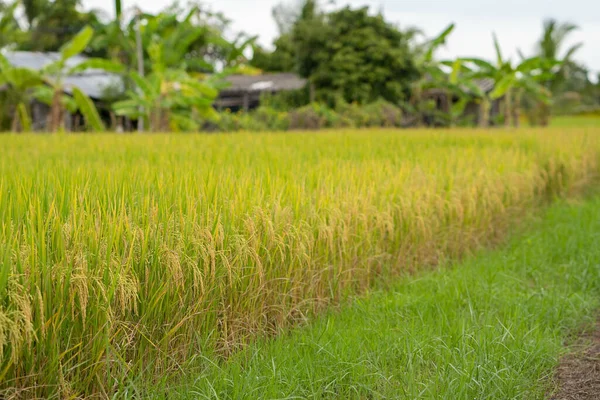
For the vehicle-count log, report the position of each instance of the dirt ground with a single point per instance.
(578, 375)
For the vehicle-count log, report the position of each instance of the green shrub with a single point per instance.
(249, 122)
(354, 113)
(591, 111)
(272, 119)
(311, 117)
(239, 121)
(286, 100)
(383, 114)
(331, 118)
(227, 122)
(306, 117)
(378, 114)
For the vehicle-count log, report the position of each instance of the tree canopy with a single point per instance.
(351, 57)
(348, 53)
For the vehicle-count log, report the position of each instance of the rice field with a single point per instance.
(139, 256)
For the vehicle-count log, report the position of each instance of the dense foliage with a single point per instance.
(348, 55)
(313, 116)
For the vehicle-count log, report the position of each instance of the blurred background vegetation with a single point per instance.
(360, 71)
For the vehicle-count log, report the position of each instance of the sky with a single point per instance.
(518, 23)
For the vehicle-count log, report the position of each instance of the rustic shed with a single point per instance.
(244, 91)
(93, 82)
(443, 99)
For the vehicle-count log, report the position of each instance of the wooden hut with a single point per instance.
(244, 91)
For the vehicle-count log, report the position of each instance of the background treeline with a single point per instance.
(361, 71)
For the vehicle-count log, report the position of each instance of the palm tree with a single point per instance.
(550, 47)
(553, 40)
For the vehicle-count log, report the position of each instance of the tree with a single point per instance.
(52, 23)
(19, 82)
(353, 54)
(550, 47)
(597, 89)
(118, 9)
(512, 81)
(169, 97)
(501, 71)
(432, 75)
(168, 100)
(286, 15)
(52, 91)
(552, 42)
(233, 51)
(462, 84)
(196, 38)
(283, 59)
(10, 31)
(346, 54)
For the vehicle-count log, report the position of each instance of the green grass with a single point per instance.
(589, 121)
(491, 327)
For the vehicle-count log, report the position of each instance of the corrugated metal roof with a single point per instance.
(38, 60)
(486, 84)
(94, 85)
(265, 82)
(93, 82)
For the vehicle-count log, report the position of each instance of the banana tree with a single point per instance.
(53, 91)
(191, 38)
(118, 9)
(233, 52)
(461, 84)
(433, 75)
(168, 98)
(111, 42)
(499, 72)
(527, 78)
(18, 83)
(510, 82)
(184, 42)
